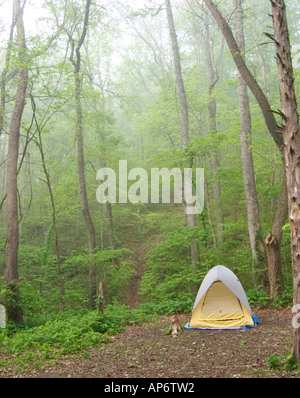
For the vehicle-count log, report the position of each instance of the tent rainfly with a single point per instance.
(221, 303)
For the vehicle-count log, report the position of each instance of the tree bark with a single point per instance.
(80, 153)
(254, 226)
(290, 131)
(11, 265)
(191, 218)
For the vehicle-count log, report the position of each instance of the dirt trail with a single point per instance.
(145, 351)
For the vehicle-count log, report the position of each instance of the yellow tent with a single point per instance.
(221, 303)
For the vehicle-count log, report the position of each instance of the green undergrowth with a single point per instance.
(262, 299)
(50, 336)
(282, 362)
(25, 346)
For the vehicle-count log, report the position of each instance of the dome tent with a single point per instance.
(221, 303)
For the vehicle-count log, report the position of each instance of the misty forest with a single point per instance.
(90, 89)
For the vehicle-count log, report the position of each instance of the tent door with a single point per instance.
(220, 300)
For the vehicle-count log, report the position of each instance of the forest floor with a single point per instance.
(146, 351)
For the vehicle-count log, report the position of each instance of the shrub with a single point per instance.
(258, 298)
(65, 335)
(262, 299)
(68, 332)
(286, 362)
(285, 299)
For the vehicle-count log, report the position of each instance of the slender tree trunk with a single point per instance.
(290, 131)
(111, 234)
(210, 220)
(4, 75)
(262, 100)
(80, 153)
(108, 207)
(101, 295)
(212, 110)
(11, 265)
(254, 226)
(191, 218)
(54, 223)
(179, 79)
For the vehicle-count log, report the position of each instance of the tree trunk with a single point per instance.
(179, 79)
(11, 265)
(274, 129)
(191, 218)
(101, 295)
(212, 110)
(111, 235)
(274, 272)
(54, 223)
(4, 75)
(273, 242)
(254, 226)
(80, 154)
(290, 131)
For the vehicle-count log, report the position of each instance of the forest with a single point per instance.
(94, 92)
